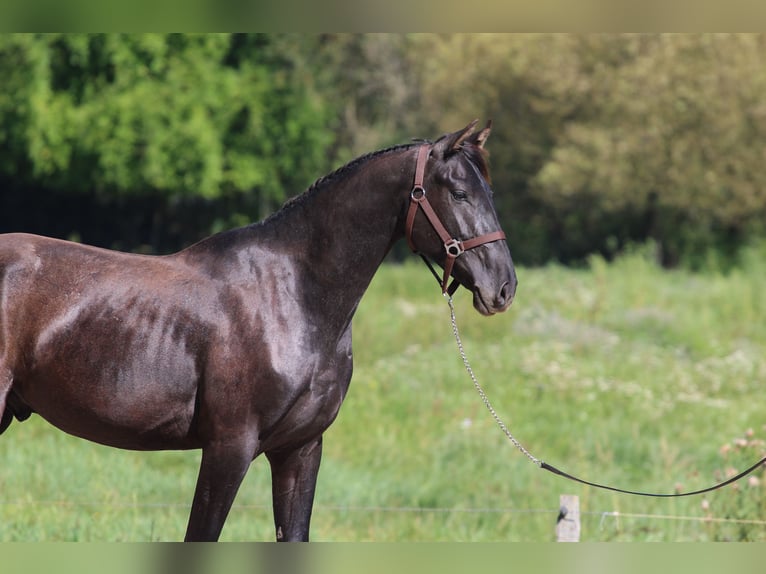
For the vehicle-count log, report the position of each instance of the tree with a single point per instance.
(674, 145)
(175, 123)
(605, 140)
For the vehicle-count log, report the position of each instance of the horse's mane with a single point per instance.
(475, 154)
(352, 165)
(328, 179)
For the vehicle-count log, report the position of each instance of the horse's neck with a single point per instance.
(337, 235)
(350, 223)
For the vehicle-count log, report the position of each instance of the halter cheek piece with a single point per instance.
(453, 247)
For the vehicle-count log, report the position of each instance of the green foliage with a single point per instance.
(174, 118)
(158, 114)
(674, 138)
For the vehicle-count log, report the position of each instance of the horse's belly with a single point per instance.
(142, 405)
(129, 422)
(124, 377)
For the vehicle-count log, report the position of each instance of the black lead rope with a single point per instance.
(545, 465)
(742, 474)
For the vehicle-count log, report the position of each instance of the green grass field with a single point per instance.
(621, 373)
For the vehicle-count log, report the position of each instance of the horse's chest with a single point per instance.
(312, 398)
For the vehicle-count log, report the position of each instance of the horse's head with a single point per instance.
(452, 219)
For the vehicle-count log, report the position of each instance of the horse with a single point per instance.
(240, 344)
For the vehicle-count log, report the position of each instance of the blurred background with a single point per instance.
(150, 142)
(629, 177)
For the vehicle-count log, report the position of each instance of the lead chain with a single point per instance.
(480, 390)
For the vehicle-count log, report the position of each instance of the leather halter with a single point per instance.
(452, 246)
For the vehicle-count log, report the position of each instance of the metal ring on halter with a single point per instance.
(418, 193)
(454, 248)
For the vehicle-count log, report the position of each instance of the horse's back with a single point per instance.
(34, 254)
(42, 277)
(47, 265)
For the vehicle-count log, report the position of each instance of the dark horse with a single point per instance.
(240, 344)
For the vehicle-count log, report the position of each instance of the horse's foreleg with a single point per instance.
(293, 481)
(223, 467)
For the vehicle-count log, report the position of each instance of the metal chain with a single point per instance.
(480, 390)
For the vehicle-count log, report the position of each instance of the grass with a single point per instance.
(621, 373)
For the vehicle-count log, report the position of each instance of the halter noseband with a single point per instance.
(452, 246)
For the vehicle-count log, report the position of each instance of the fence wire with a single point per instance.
(604, 515)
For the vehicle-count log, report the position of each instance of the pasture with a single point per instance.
(620, 373)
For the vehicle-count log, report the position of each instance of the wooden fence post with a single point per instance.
(568, 522)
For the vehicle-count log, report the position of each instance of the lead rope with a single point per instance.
(552, 468)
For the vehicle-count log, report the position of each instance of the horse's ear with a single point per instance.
(480, 138)
(450, 143)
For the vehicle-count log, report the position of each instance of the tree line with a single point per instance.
(149, 142)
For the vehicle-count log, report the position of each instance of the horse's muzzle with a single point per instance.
(487, 302)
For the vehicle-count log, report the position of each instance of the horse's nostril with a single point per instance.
(506, 293)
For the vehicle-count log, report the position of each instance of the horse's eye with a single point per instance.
(459, 195)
